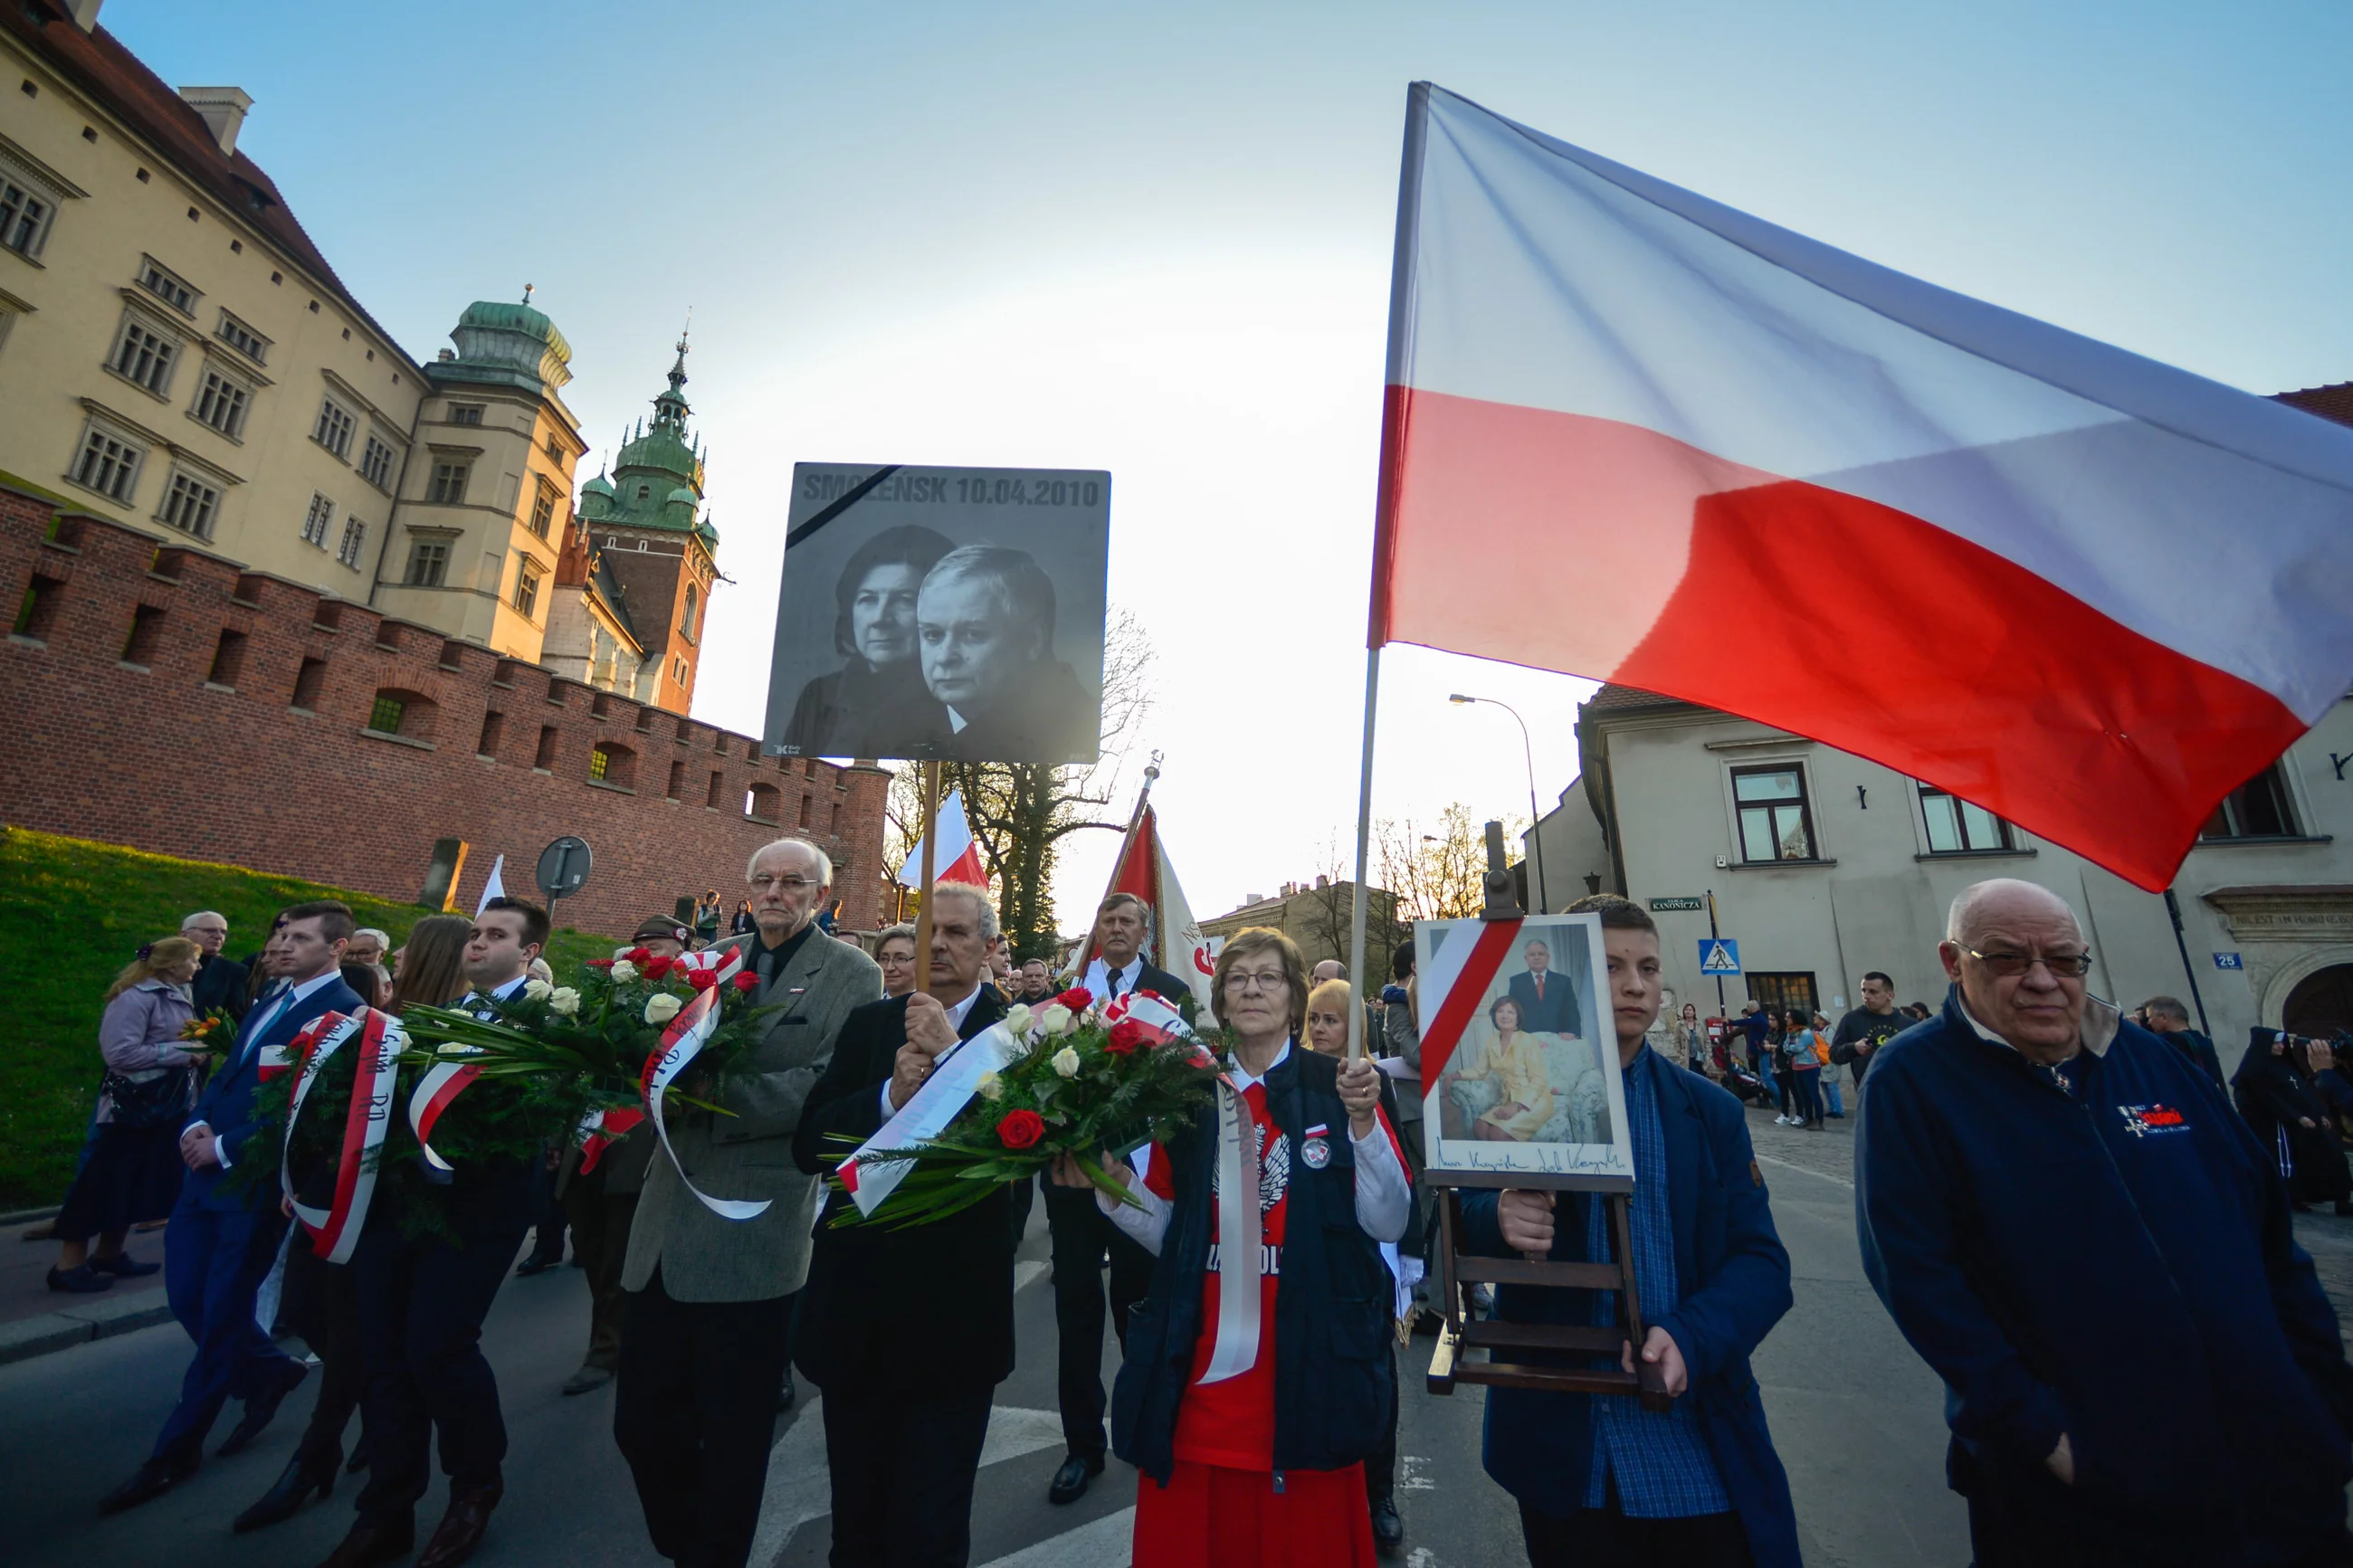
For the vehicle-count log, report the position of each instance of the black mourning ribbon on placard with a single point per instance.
(850, 498)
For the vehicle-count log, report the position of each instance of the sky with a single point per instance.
(1157, 240)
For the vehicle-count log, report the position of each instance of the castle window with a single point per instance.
(167, 286)
(686, 621)
(555, 447)
(465, 414)
(384, 715)
(395, 711)
(25, 212)
(355, 536)
(220, 403)
(601, 762)
(448, 486)
(308, 679)
(190, 505)
(334, 430)
(37, 612)
(243, 338)
(315, 521)
(526, 590)
(144, 355)
(760, 803)
(107, 462)
(376, 463)
(488, 746)
(542, 508)
(146, 635)
(612, 764)
(228, 658)
(429, 564)
(644, 491)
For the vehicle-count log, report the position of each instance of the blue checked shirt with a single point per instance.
(1660, 1462)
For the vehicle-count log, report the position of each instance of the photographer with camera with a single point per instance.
(2291, 1095)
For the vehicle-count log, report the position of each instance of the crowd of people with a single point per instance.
(2060, 1207)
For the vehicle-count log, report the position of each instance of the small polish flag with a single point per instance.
(957, 857)
(496, 887)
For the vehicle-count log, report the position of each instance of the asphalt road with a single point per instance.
(1857, 1418)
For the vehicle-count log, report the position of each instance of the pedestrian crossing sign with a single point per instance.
(1719, 955)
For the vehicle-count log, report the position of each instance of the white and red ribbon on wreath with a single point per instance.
(1154, 1012)
(681, 1043)
(600, 1130)
(335, 1230)
(440, 1084)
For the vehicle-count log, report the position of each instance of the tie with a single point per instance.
(277, 1010)
(1539, 987)
(1111, 983)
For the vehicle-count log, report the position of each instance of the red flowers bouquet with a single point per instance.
(1078, 1082)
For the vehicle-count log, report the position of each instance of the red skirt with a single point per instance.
(1235, 1519)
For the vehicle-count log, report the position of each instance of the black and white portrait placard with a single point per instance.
(948, 614)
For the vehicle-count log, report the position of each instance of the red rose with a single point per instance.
(701, 979)
(654, 967)
(1126, 1035)
(600, 963)
(637, 955)
(1021, 1129)
(747, 981)
(1076, 998)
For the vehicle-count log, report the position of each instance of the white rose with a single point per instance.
(623, 971)
(563, 1000)
(537, 990)
(1066, 1062)
(1055, 1018)
(988, 1086)
(661, 1008)
(1019, 1018)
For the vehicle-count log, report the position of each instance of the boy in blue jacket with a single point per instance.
(1600, 1481)
(2069, 1224)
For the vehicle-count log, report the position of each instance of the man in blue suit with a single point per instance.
(223, 1235)
(1546, 999)
(1600, 1481)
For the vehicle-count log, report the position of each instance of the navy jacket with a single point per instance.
(2115, 1264)
(226, 1104)
(1556, 1014)
(1734, 1278)
(1331, 1304)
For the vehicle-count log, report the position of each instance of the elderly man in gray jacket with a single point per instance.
(711, 1299)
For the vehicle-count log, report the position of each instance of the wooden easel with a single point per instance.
(1458, 1271)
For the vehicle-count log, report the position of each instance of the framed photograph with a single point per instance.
(1519, 1057)
(947, 613)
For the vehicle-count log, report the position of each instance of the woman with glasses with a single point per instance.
(1250, 1403)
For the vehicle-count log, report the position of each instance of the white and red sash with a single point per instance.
(1238, 1232)
(600, 1130)
(681, 1043)
(336, 1230)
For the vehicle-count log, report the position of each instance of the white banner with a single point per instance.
(926, 1115)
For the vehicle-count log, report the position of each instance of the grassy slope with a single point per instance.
(71, 914)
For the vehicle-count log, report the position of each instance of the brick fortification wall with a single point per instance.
(168, 700)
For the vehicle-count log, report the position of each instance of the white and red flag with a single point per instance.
(1634, 435)
(957, 857)
(1145, 871)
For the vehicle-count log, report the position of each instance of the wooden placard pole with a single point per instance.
(923, 909)
(1086, 947)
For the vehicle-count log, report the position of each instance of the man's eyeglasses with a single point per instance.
(783, 884)
(1244, 980)
(2071, 965)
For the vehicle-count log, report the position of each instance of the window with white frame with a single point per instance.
(25, 211)
(2260, 808)
(465, 414)
(1957, 826)
(145, 354)
(448, 486)
(316, 521)
(107, 461)
(355, 536)
(334, 428)
(1776, 819)
(376, 463)
(243, 338)
(190, 504)
(526, 590)
(542, 508)
(429, 564)
(220, 403)
(168, 285)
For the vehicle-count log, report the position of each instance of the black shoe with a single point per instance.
(586, 1380)
(1388, 1530)
(370, 1545)
(262, 1406)
(157, 1475)
(785, 1395)
(535, 1265)
(302, 1476)
(358, 1460)
(79, 1280)
(122, 1266)
(1070, 1481)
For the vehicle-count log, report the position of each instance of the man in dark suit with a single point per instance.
(224, 1236)
(220, 981)
(1123, 935)
(907, 1383)
(710, 1300)
(1547, 1002)
(422, 1299)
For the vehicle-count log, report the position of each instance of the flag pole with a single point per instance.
(1085, 949)
(923, 909)
(1393, 419)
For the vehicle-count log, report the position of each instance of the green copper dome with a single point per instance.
(501, 344)
(501, 316)
(600, 486)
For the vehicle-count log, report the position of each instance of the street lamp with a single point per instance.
(1535, 817)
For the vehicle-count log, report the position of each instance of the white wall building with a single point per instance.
(1824, 866)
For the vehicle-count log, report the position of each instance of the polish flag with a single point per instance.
(957, 859)
(1179, 946)
(1636, 435)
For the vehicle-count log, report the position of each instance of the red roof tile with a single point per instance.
(2328, 402)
